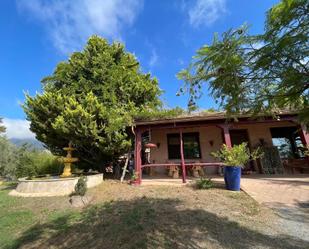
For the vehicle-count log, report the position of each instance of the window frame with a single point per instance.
(196, 135)
(169, 136)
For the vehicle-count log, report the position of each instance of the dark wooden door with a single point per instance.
(238, 137)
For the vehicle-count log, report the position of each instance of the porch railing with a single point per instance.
(187, 164)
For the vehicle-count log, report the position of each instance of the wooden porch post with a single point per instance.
(137, 155)
(183, 166)
(226, 134)
(304, 134)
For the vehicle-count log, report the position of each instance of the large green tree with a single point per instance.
(257, 73)
(91, 100)
(2, 127)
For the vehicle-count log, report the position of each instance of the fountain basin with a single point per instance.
(54, 186)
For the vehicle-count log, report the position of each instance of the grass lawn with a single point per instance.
(123, 216)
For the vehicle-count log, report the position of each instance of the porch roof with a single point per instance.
(209, 116)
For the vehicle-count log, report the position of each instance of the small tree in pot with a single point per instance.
(234, 159)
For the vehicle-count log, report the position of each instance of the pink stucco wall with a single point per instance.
(211, 133)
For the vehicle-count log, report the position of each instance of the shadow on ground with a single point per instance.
(294, 219)
(297, 213)
(291, 182)
(149, 223)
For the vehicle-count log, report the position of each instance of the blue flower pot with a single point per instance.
(232, 177)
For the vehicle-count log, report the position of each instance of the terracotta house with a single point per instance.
(184, 144)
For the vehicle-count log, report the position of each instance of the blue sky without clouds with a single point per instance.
(163, 34)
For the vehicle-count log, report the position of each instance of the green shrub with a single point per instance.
(47, 163)
(204, 183)
(81, 186)
(32, 163)
(16, 162)
(8, 159)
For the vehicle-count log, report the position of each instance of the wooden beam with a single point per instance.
(222, 118)
(183, 166)
(218, 123)
(226, 135)
(304, 134)
(137, 154)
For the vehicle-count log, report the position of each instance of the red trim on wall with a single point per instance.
(226, 135)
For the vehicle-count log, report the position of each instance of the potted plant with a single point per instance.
(134, 179)
(235, 159)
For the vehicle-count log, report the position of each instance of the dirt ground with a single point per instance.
(124, 216)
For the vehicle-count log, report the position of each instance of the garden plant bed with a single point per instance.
(124, 216)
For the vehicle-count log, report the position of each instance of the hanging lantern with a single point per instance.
(150, 144)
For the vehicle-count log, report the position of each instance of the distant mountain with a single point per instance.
(33, 142)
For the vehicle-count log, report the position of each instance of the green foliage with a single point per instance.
(8, 158)
(171, 113)
(24, 161)
(221, 65)
(210, 110)
(160, 114)
(204, 183)
(238, 155)
(91, 100)
(81, 186)
(254, 74)
(2, 128)
(31, 163)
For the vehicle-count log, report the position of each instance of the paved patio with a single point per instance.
(276, 191)
(288, 196)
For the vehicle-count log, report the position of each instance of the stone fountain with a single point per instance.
(68, 160)
(55, 185)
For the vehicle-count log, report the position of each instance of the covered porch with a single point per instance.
(184, 145)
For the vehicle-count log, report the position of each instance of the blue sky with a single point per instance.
(163, 34)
